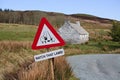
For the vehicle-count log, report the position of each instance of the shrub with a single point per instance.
(115, 31)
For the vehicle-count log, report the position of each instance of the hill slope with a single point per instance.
(56, 19)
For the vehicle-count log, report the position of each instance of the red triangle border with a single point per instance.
(38, 33)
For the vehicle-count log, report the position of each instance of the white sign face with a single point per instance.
(47, 37)
(49, 55)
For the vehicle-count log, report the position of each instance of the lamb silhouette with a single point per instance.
(46, 38)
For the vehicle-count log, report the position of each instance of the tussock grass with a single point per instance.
(62, 69)
(16, 63)
(14, 46)
(41, 71)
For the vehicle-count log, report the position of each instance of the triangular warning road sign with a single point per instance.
(46, 36)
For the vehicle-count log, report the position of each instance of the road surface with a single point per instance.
(96, 67)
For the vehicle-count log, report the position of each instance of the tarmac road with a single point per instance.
(96, 67)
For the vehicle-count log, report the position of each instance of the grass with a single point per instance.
(12, 54)
(16, 56)
(41, 71)
(93, 47)
(17, 32)
(16, 63)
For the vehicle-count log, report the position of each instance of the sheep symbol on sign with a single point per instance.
(46, 38)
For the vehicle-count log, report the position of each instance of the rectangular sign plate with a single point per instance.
(49, 55)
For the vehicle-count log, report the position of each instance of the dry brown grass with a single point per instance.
(62, 69)
(14, 46)
(99, 34)
(73, 51)
(116, 51)
(16, 63)
(41, 71)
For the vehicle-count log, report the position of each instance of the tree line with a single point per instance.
(29, 17)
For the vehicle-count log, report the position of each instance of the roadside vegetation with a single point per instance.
(100, 39)
(115, 32)
(17, 63)
(16, 56)
(93, 47)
